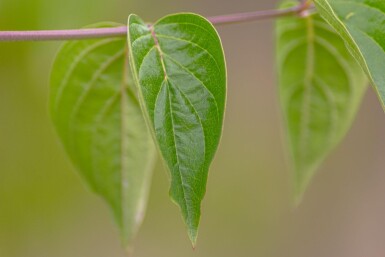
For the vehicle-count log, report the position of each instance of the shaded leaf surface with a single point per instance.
(320, 87)
(178, 64)
(98, 117)
(361, 24)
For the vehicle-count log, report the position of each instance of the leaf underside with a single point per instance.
(98, 118)
(361, 24)
(179, 68)
(320, 88)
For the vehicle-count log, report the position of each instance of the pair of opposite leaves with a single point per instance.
(179, 69)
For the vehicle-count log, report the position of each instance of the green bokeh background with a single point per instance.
(45, 210)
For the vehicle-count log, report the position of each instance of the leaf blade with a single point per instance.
(183, 100)
(318, 106)
(98, 118)
(360, 24)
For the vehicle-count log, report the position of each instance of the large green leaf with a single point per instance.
(98, 117)
(320, 88)
(361, 24)
(178, 64)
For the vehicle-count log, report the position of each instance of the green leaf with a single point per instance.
(98, 118)
(320, 88)
(179, 67)
(361, 24)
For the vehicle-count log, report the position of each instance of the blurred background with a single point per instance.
(45, 210)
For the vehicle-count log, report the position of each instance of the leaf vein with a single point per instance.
(195, 77)
(76, 61)
(176, 149)
(193, 43)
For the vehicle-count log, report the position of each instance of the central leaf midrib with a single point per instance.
(309, 70)
(156, 42)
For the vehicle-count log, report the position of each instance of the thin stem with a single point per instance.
(255, 16)
(45, 35)
(306, 4)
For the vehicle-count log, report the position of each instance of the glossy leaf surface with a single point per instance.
(98, 117)
(361, 24)
(320, 87)
(179, 67)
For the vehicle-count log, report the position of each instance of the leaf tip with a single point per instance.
(193, 235)
(299, 189)
(126, 242)
(303, 178)
(129, 249)
(297, 198)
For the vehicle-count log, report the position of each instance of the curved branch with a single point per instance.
(76, 34)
